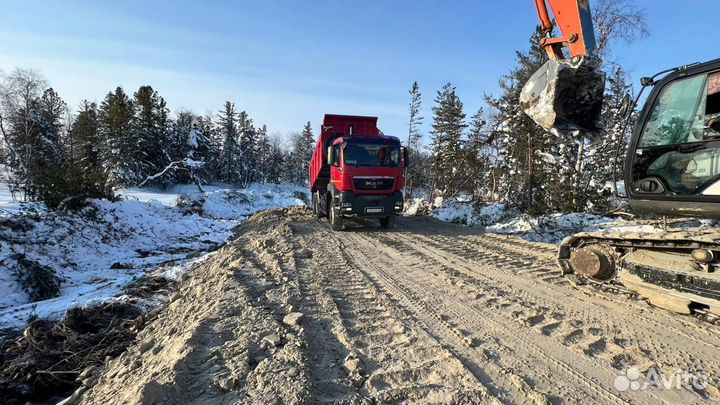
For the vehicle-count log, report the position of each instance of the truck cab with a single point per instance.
(357, 172)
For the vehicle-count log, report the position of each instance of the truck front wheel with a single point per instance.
(387, 222)
(336, 221)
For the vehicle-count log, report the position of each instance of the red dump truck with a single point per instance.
(356, 171)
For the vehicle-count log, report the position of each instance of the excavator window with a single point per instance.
(680, 143)
(677, 114)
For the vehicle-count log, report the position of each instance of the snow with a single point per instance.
(498, 218)
(97, 251)
(469, 213)
(193, 139)
(7, 204)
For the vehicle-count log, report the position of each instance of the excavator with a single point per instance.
(672, 166)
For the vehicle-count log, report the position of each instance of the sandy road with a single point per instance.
(428, 313)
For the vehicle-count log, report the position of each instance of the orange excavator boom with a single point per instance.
(574, 20)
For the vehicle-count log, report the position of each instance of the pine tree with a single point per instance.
(51, 111)
(151, 127)
(448, 126)
(263, 151)
(477, 166)
(84, 137)
(35, 133)
(84, 164)
(213, 154)
(47, 153)
(276, 162)
(230, 164)
(413, 142)
(123, 155)
(300, 155)
(182, 143)
(248, 152)
(191, 145)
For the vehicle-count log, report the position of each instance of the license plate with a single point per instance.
(377, 210)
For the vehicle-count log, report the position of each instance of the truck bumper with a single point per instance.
(369, 206)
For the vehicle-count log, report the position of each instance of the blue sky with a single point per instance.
(287, 62)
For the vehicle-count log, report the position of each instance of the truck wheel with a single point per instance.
(336, 221)
(316, 206)
(387, 222)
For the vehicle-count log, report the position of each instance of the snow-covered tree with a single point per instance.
(263, 150)
(302, 145)
(522, 180)
(192, 148)
(124, 157)
(230, 164)
(84, 137)
(151, 131)
(413, 177)
(248, 148)
(448, 126)
(19, 95)
(477, 169)
(32, 122)
(276, 162)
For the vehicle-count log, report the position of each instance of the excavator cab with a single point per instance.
(673, 163)
(566, 93)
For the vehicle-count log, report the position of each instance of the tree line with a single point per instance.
(55, 154)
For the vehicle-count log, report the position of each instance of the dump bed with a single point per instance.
(335, 126)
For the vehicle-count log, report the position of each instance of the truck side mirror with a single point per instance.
(330, 155)
(405, 157)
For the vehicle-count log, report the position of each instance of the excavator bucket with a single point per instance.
(565, 95)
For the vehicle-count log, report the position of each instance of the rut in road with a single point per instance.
(429, 313)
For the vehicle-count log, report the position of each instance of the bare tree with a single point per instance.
(19, 90)
(618, 20)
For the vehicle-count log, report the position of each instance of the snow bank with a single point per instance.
(498, 218)
(98, 250)
(551, 228)
(469, 213)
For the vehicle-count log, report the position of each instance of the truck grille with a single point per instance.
(373, 183)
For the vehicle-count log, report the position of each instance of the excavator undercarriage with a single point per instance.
(678, 269)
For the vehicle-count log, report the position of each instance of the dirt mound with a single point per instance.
(221, 339)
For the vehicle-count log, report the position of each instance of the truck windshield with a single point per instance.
(372, 155)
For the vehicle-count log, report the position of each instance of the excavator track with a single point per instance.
(676, 269)
(616, 288)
